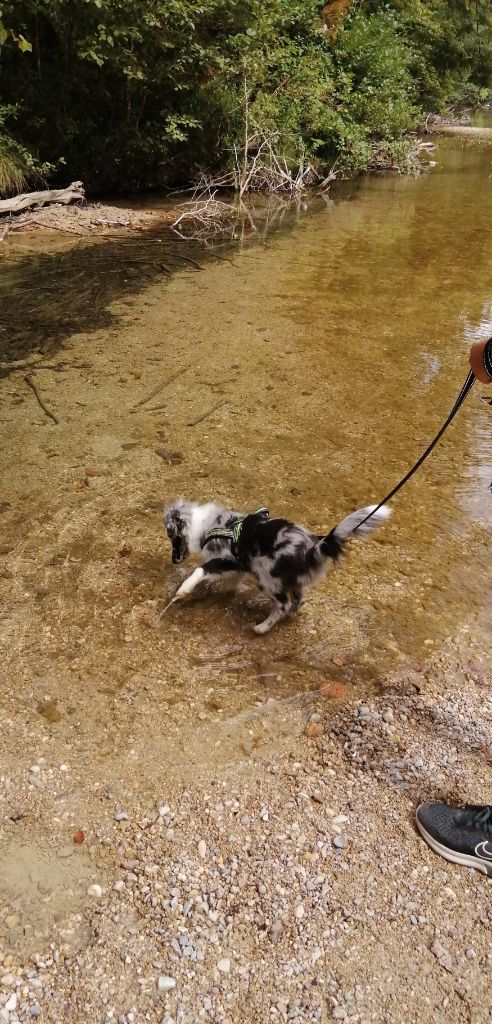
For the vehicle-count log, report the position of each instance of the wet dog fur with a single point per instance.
(283, 557)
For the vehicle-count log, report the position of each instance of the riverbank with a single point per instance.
(84, 219)
(289, 886)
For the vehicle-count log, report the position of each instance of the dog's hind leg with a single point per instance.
(280, 609)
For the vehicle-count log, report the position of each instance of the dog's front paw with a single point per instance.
(262, 628)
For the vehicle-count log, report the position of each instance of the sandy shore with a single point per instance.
(82, 219)
(290, 887)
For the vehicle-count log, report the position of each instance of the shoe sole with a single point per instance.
(464, 859)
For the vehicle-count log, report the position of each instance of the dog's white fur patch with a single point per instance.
(346, 528)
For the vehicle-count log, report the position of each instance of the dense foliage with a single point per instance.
(133, 93)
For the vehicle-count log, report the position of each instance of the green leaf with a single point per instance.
(23, 44)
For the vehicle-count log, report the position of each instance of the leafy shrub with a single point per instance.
(139, 93)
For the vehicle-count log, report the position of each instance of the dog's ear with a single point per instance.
(176, 529)
(174, 522)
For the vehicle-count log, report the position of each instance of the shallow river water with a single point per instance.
(331, 350)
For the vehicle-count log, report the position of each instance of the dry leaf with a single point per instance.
(338, 659)
(332, 688)
(313, 729)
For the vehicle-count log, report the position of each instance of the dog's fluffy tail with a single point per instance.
(331, 546)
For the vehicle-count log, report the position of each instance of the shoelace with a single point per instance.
(481, 818)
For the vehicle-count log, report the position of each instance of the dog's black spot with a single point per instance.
(331, 547)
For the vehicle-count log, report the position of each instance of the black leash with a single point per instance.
(467, 386)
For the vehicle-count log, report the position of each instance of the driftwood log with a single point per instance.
(34, 200)
(460, 129)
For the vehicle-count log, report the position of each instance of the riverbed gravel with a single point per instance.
(293, 888)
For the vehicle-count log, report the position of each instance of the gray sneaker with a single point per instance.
(462, 835)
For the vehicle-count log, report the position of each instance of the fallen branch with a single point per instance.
(28, 379)
(205, 415)
(160, 386)
(6, 368)
(71, 194)
(205, 215)
(52, 227)
(20, 364)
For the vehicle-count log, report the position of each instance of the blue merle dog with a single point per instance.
(282, 557)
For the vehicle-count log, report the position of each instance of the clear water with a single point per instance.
(331, 350)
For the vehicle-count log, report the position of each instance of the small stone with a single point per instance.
(299, 912)
(35, 769)
(340, 1013)
(64, 852)
(442, 956)
(470, 954)
(245, 820)
(119, 885)
(276, 930)
(202, 849)
(165, 983)
(7, 980)
(315, 717)
(11, 1003)
(121, 816)
(163, 810)
(95, 890)
(388, 715)
(12, 921)
(340, 842)
(224, 965)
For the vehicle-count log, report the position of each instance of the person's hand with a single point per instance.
(479, 359)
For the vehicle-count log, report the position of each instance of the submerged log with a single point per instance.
(29, 200)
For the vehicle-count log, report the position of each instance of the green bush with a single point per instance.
(132, 94)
